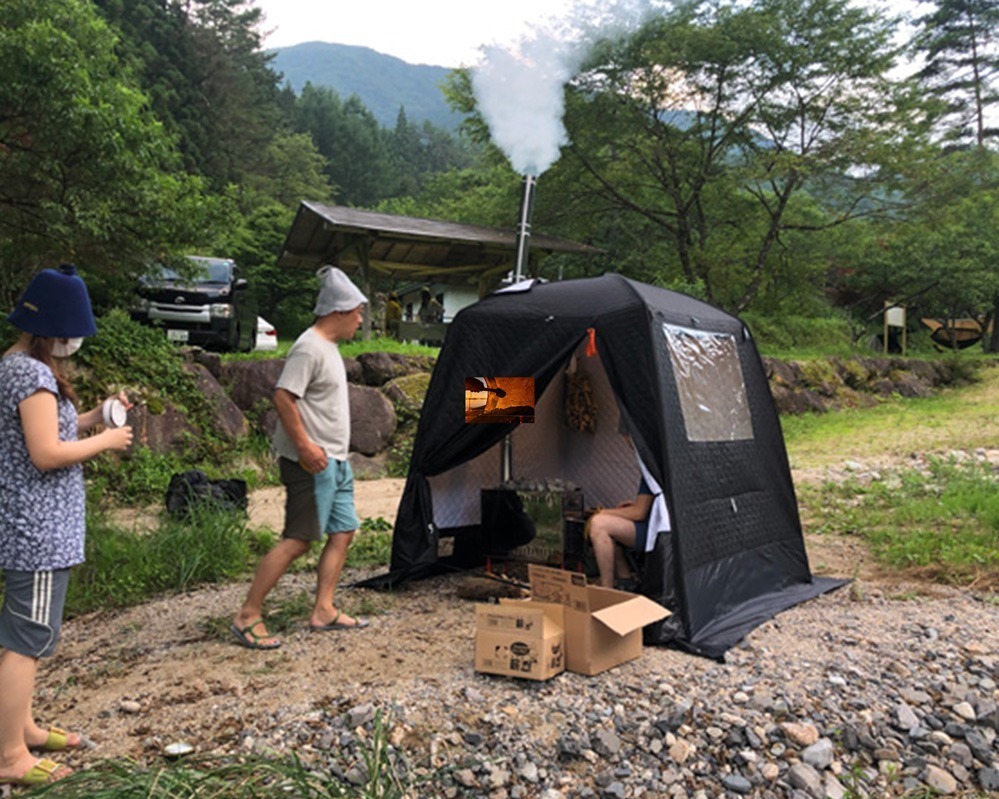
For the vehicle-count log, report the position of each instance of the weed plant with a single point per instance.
(942, 523)
(126, 567)
(372, 546)
(237, 778)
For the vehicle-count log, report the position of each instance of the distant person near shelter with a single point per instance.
(42, 506)
(430, 309)
(393, 314)
(312, 441)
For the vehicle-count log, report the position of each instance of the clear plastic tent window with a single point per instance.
(710, 384)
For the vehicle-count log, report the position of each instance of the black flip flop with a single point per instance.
(359, 624)
(241, 636)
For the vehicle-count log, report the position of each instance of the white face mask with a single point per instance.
(64, 347)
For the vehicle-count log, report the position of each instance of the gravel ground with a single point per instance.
(871, 689)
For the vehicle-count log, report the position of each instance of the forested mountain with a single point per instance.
(384, 83)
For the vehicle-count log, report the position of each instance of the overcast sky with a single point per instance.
(445, 33)
(441, 32)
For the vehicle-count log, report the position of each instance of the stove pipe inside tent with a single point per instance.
(524, 226)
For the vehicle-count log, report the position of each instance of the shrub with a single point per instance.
(126, 567)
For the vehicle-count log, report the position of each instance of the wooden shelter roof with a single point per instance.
(408, 248)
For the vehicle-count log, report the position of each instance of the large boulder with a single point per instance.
(408, 391)
(380, 367)
(166, 431)
(226, 418)
(251, 383)
(355, 374)
(365, 468)
(372, 420)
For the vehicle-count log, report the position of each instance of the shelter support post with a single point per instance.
(361, 245)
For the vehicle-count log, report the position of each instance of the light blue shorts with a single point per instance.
(318, 503)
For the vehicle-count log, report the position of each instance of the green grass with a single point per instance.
(357, 345)
(249, 777)
(349, 349)
(954, 419)
(372, 546)
(941, 524)
(127, 567)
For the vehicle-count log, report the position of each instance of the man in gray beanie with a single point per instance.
(312, 440)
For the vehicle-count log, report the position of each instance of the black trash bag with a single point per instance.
(191, 489)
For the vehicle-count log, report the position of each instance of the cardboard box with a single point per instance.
(603, 627)
(520, 638)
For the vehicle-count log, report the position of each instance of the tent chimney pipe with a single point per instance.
(524, 226)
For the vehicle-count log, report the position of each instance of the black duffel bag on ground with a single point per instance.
(192, 489)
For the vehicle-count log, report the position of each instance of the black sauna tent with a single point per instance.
(689, 383)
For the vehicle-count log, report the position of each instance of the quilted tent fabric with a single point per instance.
(685, 380)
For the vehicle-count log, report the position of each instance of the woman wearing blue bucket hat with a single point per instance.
(42, 515)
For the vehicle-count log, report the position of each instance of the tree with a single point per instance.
(732, 130)
(347, 135)
(292, 171)
(208, 79)
(960, 42)
(86, 173)
(419, 152)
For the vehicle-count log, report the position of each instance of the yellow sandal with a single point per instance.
(42, 773)
(58, 741)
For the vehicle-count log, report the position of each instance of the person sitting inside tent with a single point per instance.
(614, 533)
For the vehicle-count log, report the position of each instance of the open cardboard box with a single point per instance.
(520, 638)
(603, 627)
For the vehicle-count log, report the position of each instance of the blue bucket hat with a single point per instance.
(55, 305)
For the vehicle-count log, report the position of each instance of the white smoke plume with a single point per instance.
(519, 88)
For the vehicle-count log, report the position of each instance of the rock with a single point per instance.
(227, 417)
(800, 734)
(360, 715)
(819, 755)
(988, 779)
(365, 468)
(965, 711)
(377, 368)
(737, 783)
(354, 372)
(372, 420)
(466, 778)
(614, 791)
(408, 391)
(129, 706)
(834, 788)
(681, 751)
(803, 776)
(905, 717)
(939, 780)
(606, 743)
(166, 431)
(250, 384)
(212, 361)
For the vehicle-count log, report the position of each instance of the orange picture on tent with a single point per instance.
(499, 400)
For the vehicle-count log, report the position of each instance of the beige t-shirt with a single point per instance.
(314, 372)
